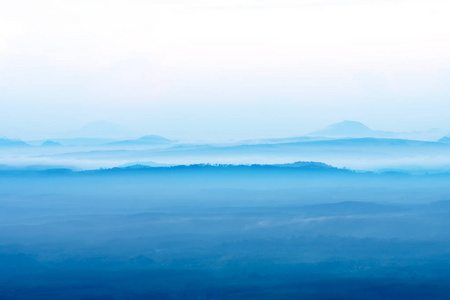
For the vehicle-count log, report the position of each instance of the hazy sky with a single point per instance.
(223, 69)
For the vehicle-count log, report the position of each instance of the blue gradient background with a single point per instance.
(220, 70)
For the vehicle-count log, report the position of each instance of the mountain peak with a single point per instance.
(445, 139)
(4, 142)
(50, 143)
(349, 128)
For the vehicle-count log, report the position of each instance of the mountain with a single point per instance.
(279, 140)
(351, 129)
(50, 144)
(143, 141)
(12, 143)
(310, 165)
(83, 142)
(143, 164)
(300, 166)
(445, 139)
(424, 135)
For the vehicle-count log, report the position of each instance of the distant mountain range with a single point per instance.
(445, 139)
(71, 142)
(300, 166)
(145, 140)
(311, 165)
(345, 136)
(50, 144)
(12, 143)
(351, 129)
(111, 134)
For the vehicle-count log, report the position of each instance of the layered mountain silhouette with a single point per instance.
(351, 129)
(300, 166)
(445, 139)
(12, 143)
(311, 165)
(50, 144)
(145, 140)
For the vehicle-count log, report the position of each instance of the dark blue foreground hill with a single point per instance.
(297, 231)
(294, 168)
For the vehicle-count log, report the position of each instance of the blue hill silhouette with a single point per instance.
(50, 144)
(445, 139)
(145, 140)
(351, 129)
(12, 143)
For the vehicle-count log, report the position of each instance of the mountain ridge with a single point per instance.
(349, 128)
(4, 142)
(144, 140)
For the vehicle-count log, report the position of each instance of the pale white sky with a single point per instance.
(223, 69)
